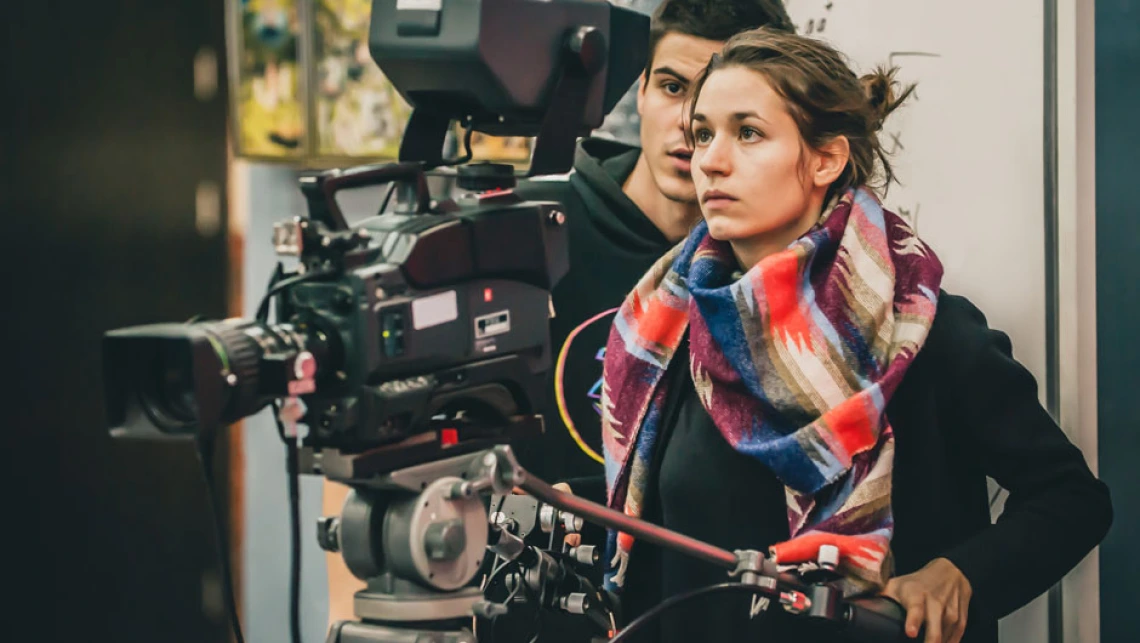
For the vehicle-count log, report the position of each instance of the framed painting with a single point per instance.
(267, 79)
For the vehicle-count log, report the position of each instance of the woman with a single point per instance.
(791, 375)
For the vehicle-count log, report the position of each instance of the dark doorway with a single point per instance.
(107, 148)
(1118, 307)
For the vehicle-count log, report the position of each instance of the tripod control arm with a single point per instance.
(868, 619)
(595, 513)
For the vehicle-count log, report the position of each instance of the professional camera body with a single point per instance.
(439, 304)
(414, 345)
(402, 318)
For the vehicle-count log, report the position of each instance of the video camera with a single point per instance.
(414, 345)
(441, 306)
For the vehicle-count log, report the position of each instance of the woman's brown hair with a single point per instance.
(824, 97)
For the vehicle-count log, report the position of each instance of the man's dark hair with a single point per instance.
(714, 19)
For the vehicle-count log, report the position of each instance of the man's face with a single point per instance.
(660, 102)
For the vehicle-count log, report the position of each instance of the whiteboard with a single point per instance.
(968, 150)
(968, 147)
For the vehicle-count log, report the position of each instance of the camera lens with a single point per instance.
(183, 378)
(167, 388)
(176, 394)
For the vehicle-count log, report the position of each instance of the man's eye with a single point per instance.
(673, 89)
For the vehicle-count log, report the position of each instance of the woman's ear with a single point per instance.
(830, 161)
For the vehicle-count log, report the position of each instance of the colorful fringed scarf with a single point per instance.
(795, 362)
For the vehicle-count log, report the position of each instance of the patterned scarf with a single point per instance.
(795, 363)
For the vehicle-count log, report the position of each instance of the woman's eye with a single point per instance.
(749, 134)
(702, 136)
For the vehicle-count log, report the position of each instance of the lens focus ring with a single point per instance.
(243, 354)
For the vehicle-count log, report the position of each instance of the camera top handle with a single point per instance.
(320, 189)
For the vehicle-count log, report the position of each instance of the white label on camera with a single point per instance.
(420, 5)
(493, 324)
(435, 310)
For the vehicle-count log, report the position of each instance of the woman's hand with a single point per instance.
(938, 596)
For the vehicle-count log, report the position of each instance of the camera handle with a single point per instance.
(584, 54)
(320, 189)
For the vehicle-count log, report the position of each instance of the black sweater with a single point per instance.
(692, 464)
(611, 245)
(966, 410)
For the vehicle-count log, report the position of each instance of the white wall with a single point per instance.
(1077, 279)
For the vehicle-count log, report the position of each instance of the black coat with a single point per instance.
(967, 410)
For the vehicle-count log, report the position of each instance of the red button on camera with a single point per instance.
(305, 366)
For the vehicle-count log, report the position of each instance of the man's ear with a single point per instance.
(830, 161)
(641, 87)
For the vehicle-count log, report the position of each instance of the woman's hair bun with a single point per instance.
(883, 94)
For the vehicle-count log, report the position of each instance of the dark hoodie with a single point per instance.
(612, 244)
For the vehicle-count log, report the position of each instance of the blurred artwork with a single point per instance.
(269, 102)
(359, 113)
(324, 99)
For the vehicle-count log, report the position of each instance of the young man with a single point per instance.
(626, 206)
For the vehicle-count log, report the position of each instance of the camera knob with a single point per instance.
(585, 554)
(328, 533)
(576, 603)
(304, 366)
(590, 47)
(546, 518)
(445, 540)
(572, 523)
(829, 557)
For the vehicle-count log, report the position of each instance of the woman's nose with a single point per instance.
(715, 158)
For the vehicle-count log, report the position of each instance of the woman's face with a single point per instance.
(757, 181)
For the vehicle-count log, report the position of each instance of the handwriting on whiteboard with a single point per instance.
(894, 138)
(910, 213)
(816, 25)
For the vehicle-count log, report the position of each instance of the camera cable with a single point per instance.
(277, 283)
(560, 386)
(640, 622)
(292, 471)
(206, 458)
(468, 132)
